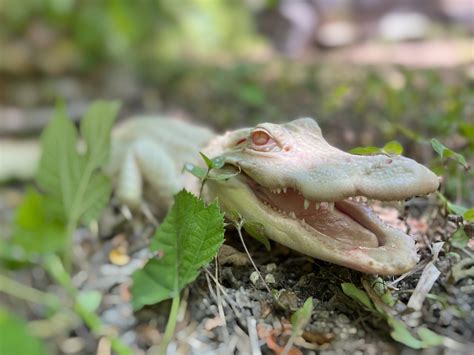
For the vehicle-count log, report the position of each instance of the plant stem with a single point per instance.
(239, 230)
(26, 293)
(170, 326)
(57, 270)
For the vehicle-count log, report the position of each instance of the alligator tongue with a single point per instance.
(333, 223)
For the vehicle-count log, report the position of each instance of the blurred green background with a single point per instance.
(368, 71)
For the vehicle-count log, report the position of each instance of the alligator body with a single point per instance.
(309, 195)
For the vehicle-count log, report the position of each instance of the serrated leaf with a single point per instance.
(37, 229)
(393, 148)
(301, 317)
(16, 338)
(257, 231)
(73, 181)
(197, 171)
(353, 292)
(189, 237)
(365, 150)
(469, 215)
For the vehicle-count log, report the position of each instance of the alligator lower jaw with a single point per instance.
(348, 221)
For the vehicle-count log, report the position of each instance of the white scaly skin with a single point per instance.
(293, 156)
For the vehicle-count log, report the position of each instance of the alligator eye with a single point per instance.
(260, 137)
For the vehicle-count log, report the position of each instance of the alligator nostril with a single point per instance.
(389, 161)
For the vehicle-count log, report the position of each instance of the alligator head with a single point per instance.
(310, 196)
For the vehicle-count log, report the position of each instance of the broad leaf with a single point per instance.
(16, 338)
(36, 228)
(73, 180)
(188, 238)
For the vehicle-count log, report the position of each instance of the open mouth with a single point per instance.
(349, 221)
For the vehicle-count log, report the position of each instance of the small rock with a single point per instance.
(254, 277)
(270, 279)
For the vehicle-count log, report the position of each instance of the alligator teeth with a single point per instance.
(292, 215)
(284, 190)
(331, 206)
(278, 190)
(306, 204)
(318, 205)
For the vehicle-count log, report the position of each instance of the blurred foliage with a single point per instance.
(87, 33)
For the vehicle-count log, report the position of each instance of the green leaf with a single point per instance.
(382, 291)
(37, 229)
(208, 161)
(95, 129)
(218, 162)
(16, 338)
(459, 239)
(401, 334)
(214, 163)
(393, 148)
(469, 215)
(445, 153)
(429, 338)
(89, 300)
(73, 181)
(353, 292)
(452, 207)
(189, 237)
(301, 317)
(197, 171)
(257, 231)
(366, 150)
(218, 176)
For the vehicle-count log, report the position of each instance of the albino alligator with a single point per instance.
(306, 193)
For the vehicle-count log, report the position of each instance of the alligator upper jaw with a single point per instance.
(348, 221)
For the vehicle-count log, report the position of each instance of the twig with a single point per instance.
(239, 230)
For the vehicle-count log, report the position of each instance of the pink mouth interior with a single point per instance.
(348, 222)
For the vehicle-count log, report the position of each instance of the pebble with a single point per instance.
(254, 277)
(270, 279)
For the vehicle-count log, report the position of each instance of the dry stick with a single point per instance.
(229, 300)
(219, 303)
(239, 230)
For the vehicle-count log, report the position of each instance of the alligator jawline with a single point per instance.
(348, 221)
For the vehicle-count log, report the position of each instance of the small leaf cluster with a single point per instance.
(380, 301)
(72, 185)
(391, 148)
